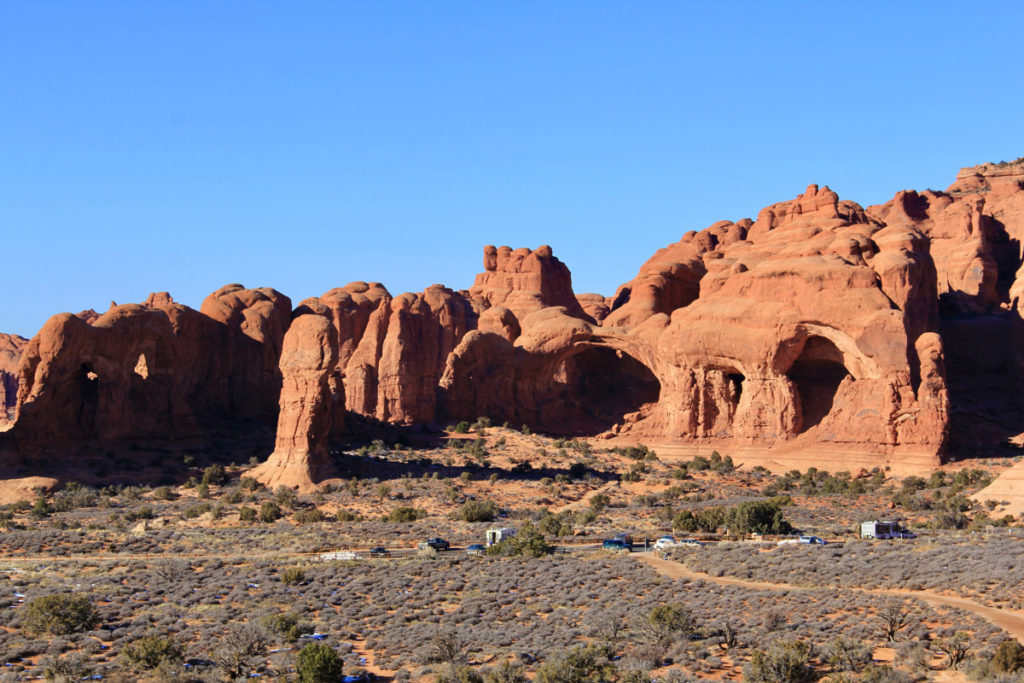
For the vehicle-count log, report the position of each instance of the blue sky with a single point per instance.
(180, 146)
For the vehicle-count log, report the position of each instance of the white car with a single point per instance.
(665, 542)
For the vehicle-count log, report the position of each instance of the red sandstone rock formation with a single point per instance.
(803, 327)
(525, 281)
(11, 347)
(157, 371)
(820, 325)
(309, 398)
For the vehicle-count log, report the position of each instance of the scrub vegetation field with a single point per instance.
(212, 577)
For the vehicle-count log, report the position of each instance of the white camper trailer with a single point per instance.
(498, 535)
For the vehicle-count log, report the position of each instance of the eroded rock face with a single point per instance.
(803, 327)
(524, 281)
(818, 327)
(157, 371)
(11, 348)
(310, 397)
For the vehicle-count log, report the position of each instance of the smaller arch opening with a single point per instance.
(141, 367)
(817, 373)
(735, 380)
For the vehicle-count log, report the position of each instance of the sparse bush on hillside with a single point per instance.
(477, 511)
(270, 512)
(405, 513)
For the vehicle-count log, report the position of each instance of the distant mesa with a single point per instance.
(854, 336)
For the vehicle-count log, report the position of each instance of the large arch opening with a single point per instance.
(595, 388)
(817, 373)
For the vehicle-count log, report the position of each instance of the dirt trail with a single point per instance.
(1009, 620)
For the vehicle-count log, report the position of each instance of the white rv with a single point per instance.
(876, 529)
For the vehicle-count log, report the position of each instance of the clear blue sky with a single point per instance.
(180, 146)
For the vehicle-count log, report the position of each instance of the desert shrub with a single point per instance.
(246, 514)
(639, 452)
(67, 669)
(144, 512)
(757, 516)
(785, 661)
(1009, 656)
(556, 525)
(59, 614)
(286, 625)
(318, 663)
(699, 464)
(197, 510)
(599, 501)
(249, 484)
(164, 493)
(664, 624)
(461, 428)
(506, 672)
(880, 673)
(844, 654)
(528, 542)
(578, 470)
(73, 496)
(476, 511)
(954, 647)
(286, 497)
(308, 516)
(293, 575)
(270, 511)
(582, 664)
(404, 513)
(240, 649)
(214, 475)
(149, 652)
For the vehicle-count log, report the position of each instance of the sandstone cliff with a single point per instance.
(820, 327)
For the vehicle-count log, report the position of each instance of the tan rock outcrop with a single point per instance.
(309, 399)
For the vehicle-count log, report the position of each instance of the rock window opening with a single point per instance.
(142, 367)
(817, 373)
(736, 384)
(595, 388)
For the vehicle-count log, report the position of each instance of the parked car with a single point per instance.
(812, 540)
(616, 545)
(475, 549)
(665, 542)
(438, 544)
(625, 538)
(690, 543)
(380, 551)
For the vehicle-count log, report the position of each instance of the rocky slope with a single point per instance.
(891, 332)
